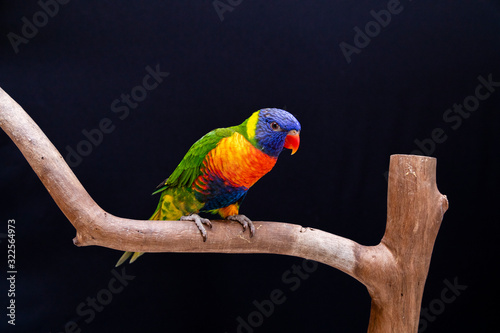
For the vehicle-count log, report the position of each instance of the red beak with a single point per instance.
(292, 141)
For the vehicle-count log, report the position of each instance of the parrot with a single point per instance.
(217, 171)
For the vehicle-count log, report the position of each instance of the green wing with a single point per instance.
(189, 168)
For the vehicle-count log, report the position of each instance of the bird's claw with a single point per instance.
(244, 221)
(199, 221)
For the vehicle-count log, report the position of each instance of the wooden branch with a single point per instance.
(394, 271)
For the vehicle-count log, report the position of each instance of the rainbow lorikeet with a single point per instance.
(219, 168)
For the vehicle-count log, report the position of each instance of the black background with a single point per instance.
(283, 54)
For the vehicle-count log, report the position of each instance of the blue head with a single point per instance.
(275, 129)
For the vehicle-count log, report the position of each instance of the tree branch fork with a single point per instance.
(393, 271)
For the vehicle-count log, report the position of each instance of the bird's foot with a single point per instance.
(199, 221)
(244, 221)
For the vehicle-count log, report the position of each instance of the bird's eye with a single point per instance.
(275, 126)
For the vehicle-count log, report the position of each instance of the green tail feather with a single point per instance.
(135, 255)
(123, 258)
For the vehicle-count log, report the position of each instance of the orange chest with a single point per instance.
(236, 162)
